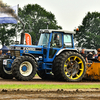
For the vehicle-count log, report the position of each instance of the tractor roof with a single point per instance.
(52, 30)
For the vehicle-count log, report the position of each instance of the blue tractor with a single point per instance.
(53, 57)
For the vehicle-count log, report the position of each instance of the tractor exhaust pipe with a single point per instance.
(23, 32)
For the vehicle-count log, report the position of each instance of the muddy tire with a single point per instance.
(5, 73)
(42, 74)
(24, 68)
(69, 66)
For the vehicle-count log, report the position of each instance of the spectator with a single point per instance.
(98, 52)
(4, 50)
(0, 53)
(84, 55)
(94, 55)
(98, 57)
(90, 55)
(8, 53)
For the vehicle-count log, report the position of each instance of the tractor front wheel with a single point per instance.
(69, 66)
(24, 68)
(5, 73)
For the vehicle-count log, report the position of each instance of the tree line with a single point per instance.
(36, 17)
(89, 32)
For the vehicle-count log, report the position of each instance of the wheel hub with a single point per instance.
(24, 68)
(73, 68)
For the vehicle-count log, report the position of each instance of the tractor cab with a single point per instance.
(53, 41)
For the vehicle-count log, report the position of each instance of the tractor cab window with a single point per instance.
(56, 40)
(44, 39)
(68, 40)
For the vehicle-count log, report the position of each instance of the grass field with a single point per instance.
(45, 86)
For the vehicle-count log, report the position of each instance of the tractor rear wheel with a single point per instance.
(24, 68)
(5, 73)
(69, 66)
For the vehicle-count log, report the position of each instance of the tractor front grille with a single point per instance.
(15, 53)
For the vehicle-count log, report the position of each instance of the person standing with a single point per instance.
(98, 57)
(0, 53)
(98, 52)
(89, 57)
(84, 55)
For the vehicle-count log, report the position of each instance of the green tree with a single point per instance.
(7, 34)
(89, 32)
(35, 17)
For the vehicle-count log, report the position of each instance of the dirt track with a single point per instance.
(37, 80)
(57, 94)
(50, 95)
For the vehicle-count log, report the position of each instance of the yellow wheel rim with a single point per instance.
(73, 67)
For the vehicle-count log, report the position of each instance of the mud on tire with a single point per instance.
(24, 68)
(69, 66)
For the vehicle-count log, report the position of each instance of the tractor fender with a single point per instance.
(28, 54)
(64, 49)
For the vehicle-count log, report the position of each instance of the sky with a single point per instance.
(69, 13)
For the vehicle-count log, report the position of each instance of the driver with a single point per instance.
(56, 41)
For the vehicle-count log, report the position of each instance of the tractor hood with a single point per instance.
(28, 48)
